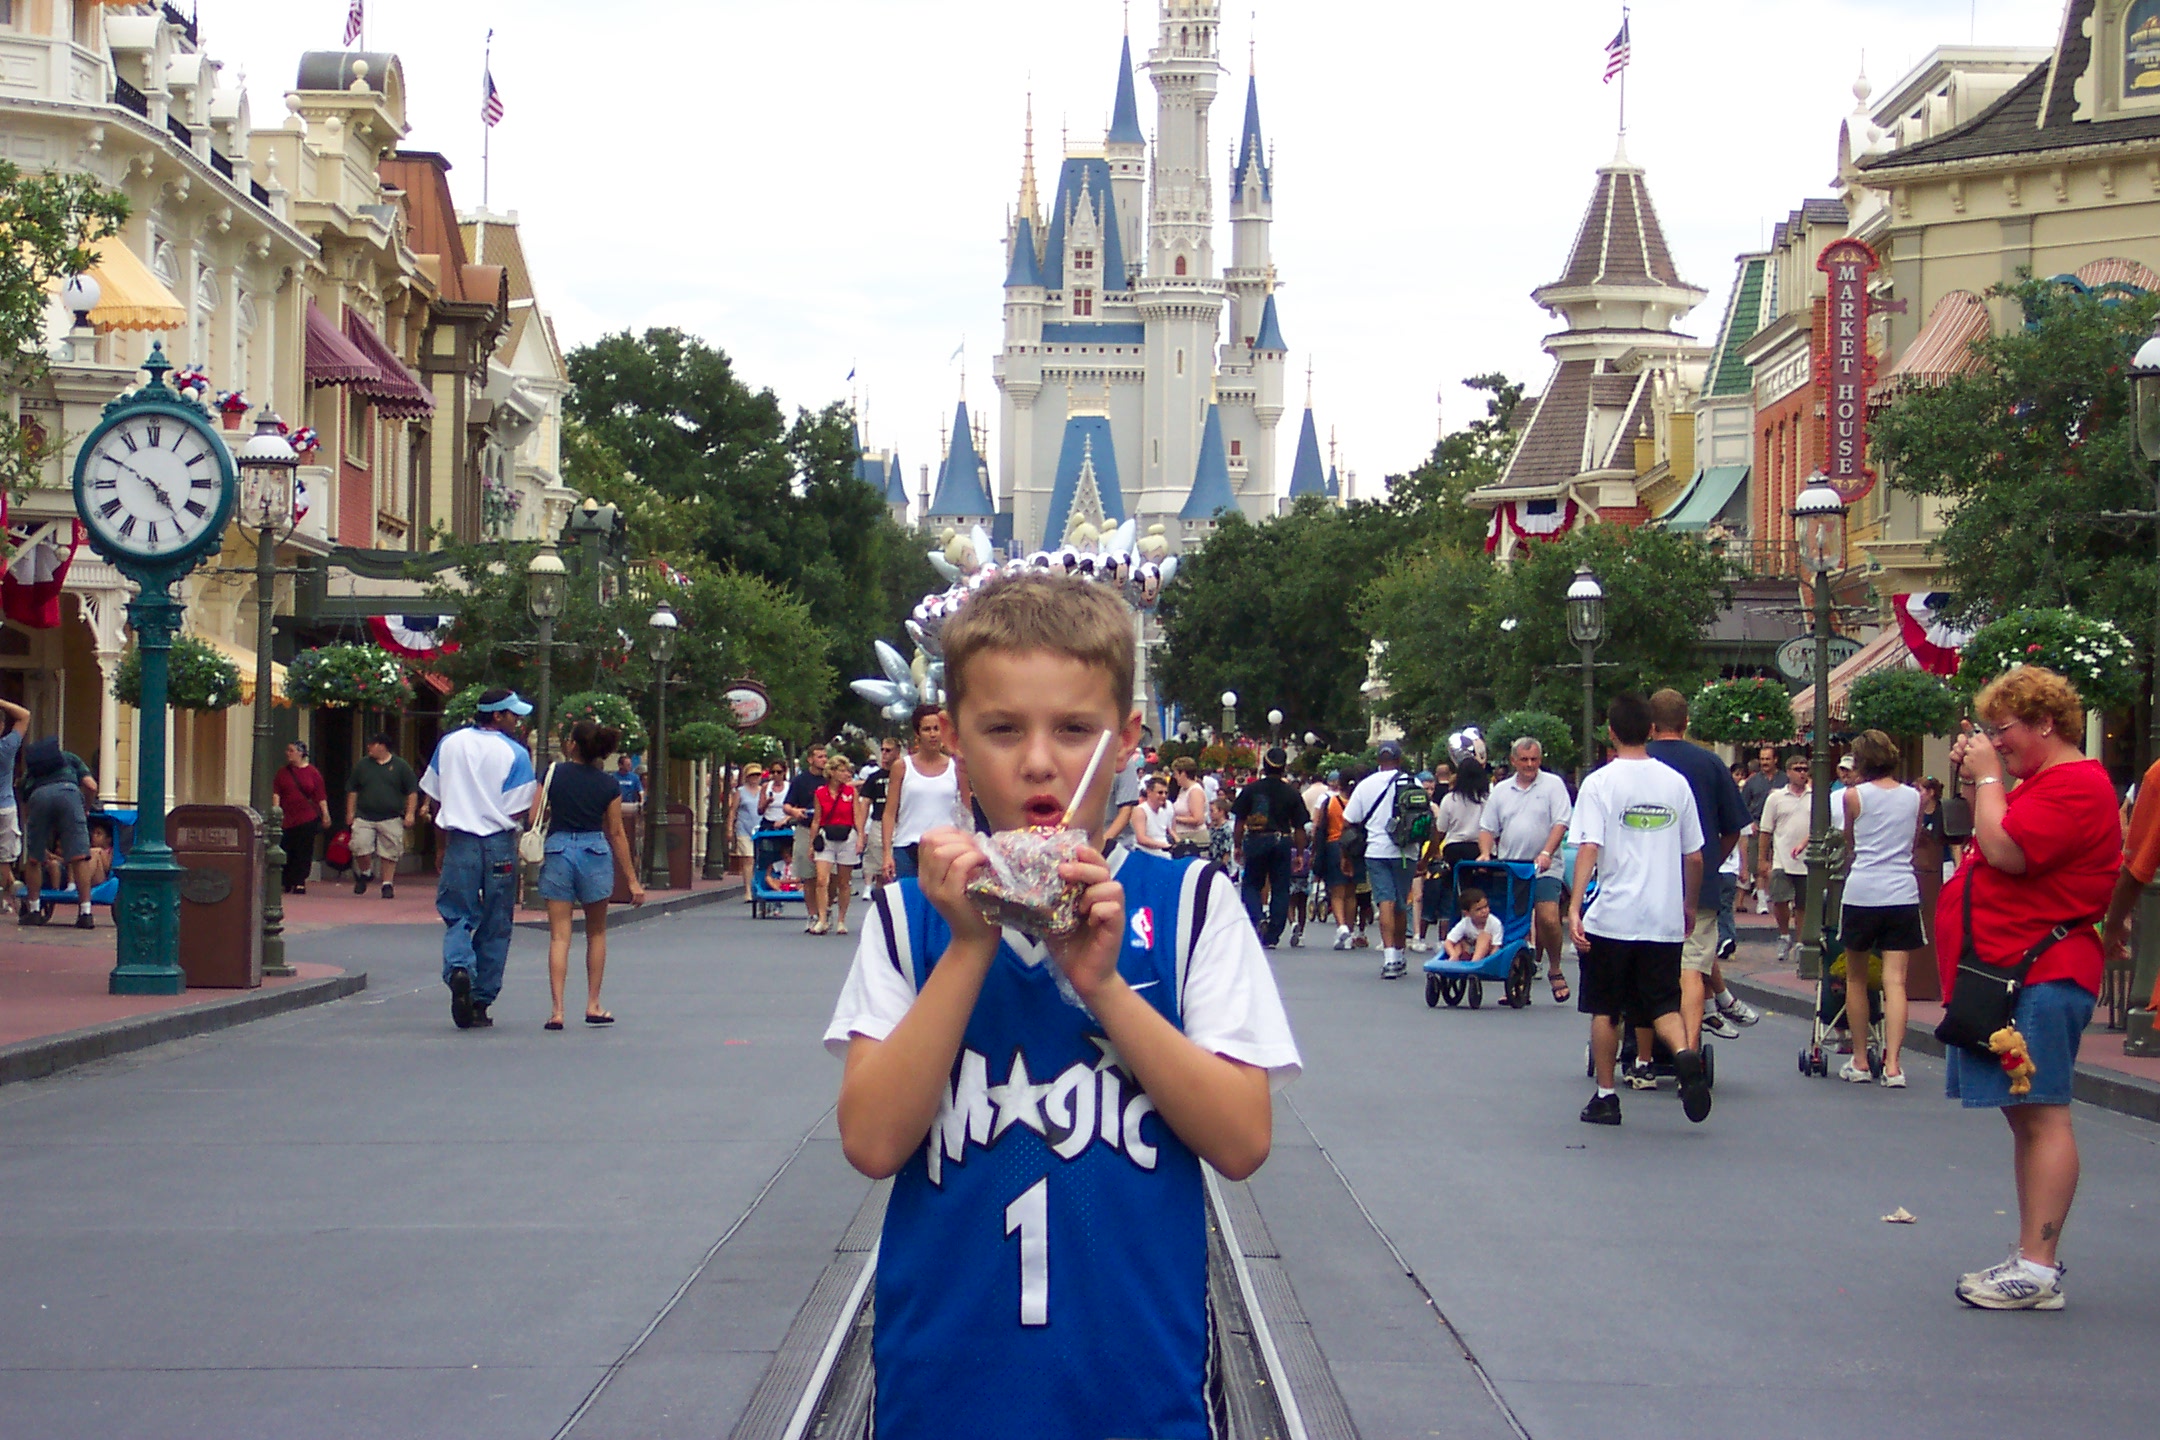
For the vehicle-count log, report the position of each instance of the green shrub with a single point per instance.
(703, 740)
(1904, 703)
(357, 676)
(198, 677)
(1561, 744)
(604, 709)
(1742, 712)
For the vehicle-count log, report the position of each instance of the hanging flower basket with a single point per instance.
(605, 709)
(347, 676)
(197, 677)
(2091, 654)
(1743, 712)
(1904, 703)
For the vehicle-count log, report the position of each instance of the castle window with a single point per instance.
(1181, 362)
(1237, 449)
(1083, 260)
(1083, 301)
(1180, 264)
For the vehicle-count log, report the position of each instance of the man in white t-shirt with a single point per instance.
(1372, 805)
(1636, 829)
(1526, 818)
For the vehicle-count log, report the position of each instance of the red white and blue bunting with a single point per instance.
(1530, 520)
(416, 637)
(1935, 644)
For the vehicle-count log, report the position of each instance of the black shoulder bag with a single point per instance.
(1985, 997)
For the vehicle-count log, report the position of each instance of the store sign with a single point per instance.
(1845, 370)
(1796, 657)
(747, 704)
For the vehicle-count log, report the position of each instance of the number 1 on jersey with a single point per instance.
(1029, 1216)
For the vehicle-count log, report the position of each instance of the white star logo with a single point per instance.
(1018, 1100)
(1110, 1060)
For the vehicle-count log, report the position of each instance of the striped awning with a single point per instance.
(1885, 652)
(331, 358)
(397, 394)
(2117, 271)
(1943, 348)
(130, 297)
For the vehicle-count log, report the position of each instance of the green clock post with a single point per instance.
(155, 488)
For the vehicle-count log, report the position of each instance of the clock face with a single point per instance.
(152, 485)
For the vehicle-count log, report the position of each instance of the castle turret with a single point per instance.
(963, 493)
(1126, 149)
(1211, 495)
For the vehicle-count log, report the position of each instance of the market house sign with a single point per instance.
(1845, 370)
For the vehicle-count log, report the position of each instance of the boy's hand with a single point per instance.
(948, 858)
(1089, 956)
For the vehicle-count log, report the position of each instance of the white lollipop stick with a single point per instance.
(1087, 778)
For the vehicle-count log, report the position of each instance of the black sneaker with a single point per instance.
(1694, 1085)
(1727, 948)
(1642, 1075)
(1602, 1110)
(389, 892)
(461, 1001)
(359, 883)
(84, 920)
(481, 1020)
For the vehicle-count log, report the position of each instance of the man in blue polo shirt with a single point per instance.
(1724, 815)
(480, 784)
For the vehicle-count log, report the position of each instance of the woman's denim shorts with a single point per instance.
(2052, 1017)
(580, 867)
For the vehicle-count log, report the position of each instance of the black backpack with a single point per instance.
(1410, 818)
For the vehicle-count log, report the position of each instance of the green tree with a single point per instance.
(2027, 451)
(1438, 613)
(1265, 610)
(1432, 498)
(48, 226)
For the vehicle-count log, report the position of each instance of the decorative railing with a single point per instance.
(179, 131)
(129, 98)
(221, 164)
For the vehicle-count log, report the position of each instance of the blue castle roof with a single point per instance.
(1085, 180)
(1125, 120)
(1334, 484)
(1211, 492)
(895, 482)
(1252, 148)
(1308, 476)
(1024, 270)
(1086, 437)
(1270, 336)
(960, 489)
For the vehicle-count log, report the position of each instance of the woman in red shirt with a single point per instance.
(837, 844)
(305, 805)
(2042, 855)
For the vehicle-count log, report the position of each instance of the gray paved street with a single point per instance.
(355, 1221)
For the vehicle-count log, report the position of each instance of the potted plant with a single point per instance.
(198, 677)
(354, 676)
(1743, 712)
(232, 407)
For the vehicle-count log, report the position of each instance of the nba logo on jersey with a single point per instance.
(1143, 927)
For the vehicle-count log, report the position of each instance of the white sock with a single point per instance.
(1342, 929)
(86, 907)
(2038, 1271)
(1602, 1092)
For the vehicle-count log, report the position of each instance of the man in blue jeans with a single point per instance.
(480, 784)
(1271, 817)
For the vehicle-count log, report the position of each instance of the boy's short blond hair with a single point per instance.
(1033, 611)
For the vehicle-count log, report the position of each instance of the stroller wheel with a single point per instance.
(1709, 1065)
(1822, 1063)
(1432, 991)
(1452, 988)
(1521, 977)
(1807, 1065)
(1477, 993)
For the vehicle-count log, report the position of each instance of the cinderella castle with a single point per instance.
(1122, 394)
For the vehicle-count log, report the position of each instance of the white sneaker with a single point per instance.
(1733, 1008)
(1853, 1073)
(1716, 1024)
(1419, 946)
(1894, 1082)
(1762, 903)
(1784, 948)
(1342, 939)
(2011, 1285)
(1392, 965)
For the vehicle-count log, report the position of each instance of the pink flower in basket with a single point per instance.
(2033, 649)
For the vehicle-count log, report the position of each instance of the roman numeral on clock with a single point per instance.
(110, 482)
(129, 441)
(202, 482)
(109, 509)
(153, 532)
(154, 433)
(193, 460)
(127, 527)
(196, 508)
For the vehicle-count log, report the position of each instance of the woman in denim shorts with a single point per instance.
(586, 849)
(2042, 862)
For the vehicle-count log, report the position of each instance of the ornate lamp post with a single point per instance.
(1229, 715)
(1586, 627)
(1819, 520)
(661, 646)
(2139, 1037)
(1274, 720)
(547, 585)
(267, 465)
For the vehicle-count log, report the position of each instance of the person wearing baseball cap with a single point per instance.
(1271, 819)
(480, 785)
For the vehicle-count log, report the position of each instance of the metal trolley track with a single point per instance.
(1276, 1384)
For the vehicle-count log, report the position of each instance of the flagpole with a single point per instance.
(1623, 73)
(487, 131)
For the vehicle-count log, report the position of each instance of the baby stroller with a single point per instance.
(773, 882)
(1829, 1017)
(1509, 887)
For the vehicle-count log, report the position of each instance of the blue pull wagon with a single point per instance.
(1509, 886)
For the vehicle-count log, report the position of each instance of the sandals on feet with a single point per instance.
(605, 1017)
(552, 1025)
(1560, 991)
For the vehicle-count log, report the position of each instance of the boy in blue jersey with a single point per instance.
(1044, 1107)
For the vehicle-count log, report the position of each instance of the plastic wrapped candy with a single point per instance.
(1021, 886)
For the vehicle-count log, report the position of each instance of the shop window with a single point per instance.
(359, 430)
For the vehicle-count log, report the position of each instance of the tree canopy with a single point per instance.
(48, 226)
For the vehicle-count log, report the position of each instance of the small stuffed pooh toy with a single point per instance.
(2009, 1047)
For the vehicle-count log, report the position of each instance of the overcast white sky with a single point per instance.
(820, 187)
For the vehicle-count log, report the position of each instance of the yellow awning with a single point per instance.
(131, 298)
(244, 659)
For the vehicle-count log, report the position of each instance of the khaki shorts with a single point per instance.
(10, 835)
(1784, 888)
(384, 839)
(1699, 952)
(742, 847)
(805, 859)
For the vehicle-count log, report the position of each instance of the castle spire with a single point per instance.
(1252, 160)
(1030, 205)
(1125, 118)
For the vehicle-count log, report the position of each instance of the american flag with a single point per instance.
(1617, 54)
(355, 20)
(491, 106)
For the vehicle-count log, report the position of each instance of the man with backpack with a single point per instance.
(1390, 816)
(1271, 819)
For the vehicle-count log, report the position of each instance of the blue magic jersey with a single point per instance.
(1043, 1272)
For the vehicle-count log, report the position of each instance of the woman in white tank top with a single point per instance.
(1882, 900)
(924, 794)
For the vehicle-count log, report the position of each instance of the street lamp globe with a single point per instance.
(1819, 518)
(267, 463)
(1586, 608)
(547, 584)
(1311, 739)
(1274, 718)
(2145, 385)
(1229, 699)
(664, 627)
(81, 296)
